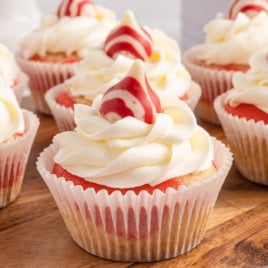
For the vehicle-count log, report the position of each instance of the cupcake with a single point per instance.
(18, 130)
(243, 113)
(11, 73)
(140, 177)
(108, 63)
(230, 42)
(49, 53)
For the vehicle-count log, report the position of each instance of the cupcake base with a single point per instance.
(42, 76)
(194, 94)
(21, 86)
(213, 82)
(13, 160)
(248, 141)
(64, 117)
(136, 228)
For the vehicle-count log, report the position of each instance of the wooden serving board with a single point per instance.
(33, 234)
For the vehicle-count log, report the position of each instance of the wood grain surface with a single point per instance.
(33, 234)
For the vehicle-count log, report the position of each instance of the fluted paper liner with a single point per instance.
(134, 227)
(212, 81)
(248, 141)
(194, 93)
(21, 86)
(43, 76)
(64, 116)
(13, 160)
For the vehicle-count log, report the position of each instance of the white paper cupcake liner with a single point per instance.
(213, 83)
(13, 160)
(42, 76)
(64, 116)
(130, 227)
(248, 141)
(194, 94)
(21, 86)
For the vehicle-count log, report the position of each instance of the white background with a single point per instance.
(182, 19)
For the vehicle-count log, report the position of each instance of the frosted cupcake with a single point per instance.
(140, 178)
(49, 53)
(18, 130)
(107, 64)
(243, 113)
(230, 42)
(11, 74)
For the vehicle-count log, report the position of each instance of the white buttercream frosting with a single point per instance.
(69, 34)
(165, 72)
(252, 87)
(11, 118)
(8, 66)
(130, 152)
(234, 41)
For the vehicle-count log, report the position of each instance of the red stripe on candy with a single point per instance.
(253, 7)
(81, 5)
(119, 47)
(68, 8)
(126, 30)
(114, 106)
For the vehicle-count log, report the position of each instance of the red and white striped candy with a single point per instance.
(129, 38)
(132, 96)
(249, 7)
(76, 8)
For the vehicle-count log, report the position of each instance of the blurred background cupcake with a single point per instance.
(231, 40)
(49, 53)
(139, 174)
(243, 113)
(18, 130)
(107, 64)
(11, 73)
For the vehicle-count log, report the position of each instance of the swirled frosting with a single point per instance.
(8, 67)
(69, 34)
(130, 152)
(125, 151)
(164, 69)
(11, 119)
(252, 87)
(234, 41)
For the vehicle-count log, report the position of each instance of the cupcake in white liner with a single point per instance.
(140, 178)
(18, 130)
(11, 73)
(213, 82)
(21, 86)
(230, 42)
(49, 53)
(243, 113)
(143, 227)
(107, 64)
(63, 115)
